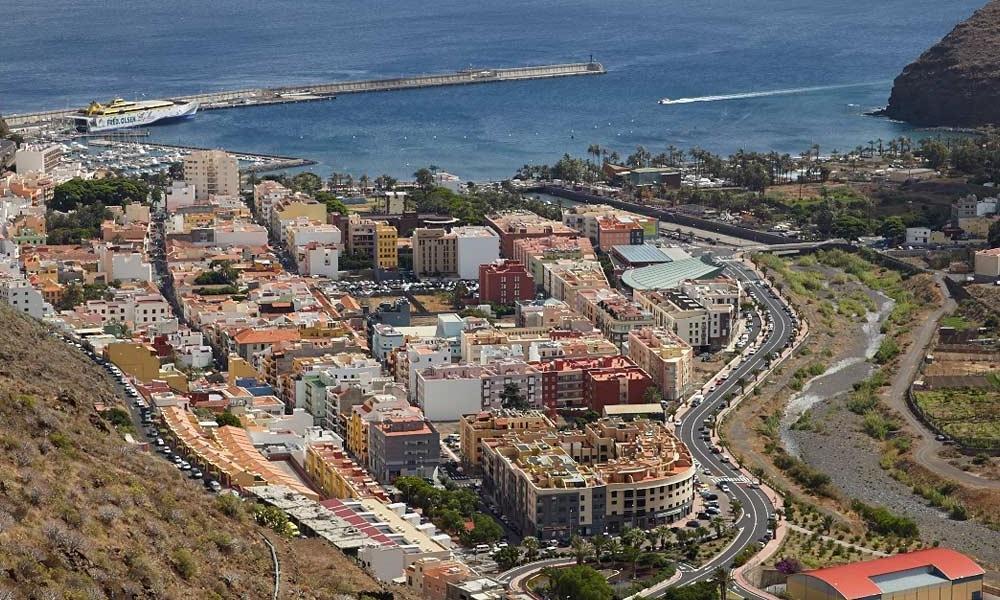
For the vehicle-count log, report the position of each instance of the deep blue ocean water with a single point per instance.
(63, 53)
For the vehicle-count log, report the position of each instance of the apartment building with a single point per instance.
(455, 253)
(534, 253)
(667, 358)
(435, 253)
(212, 172)
(403, 443)
(611, 474)
(505, 282)
(338, 476)
(519, 225)
(386, 246)
(474, 246)
(37, 158)
(18, 293)
(448, 392)
(476, 427)
(371, 410)
(563, 279)
(702, 326)
(591, 383)
(607, 226)
(613, 313)
(429, 577)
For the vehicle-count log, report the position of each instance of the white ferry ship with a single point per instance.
(122, 113)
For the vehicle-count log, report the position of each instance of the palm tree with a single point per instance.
(364, 181)
(594, 150)
(600, 543)
(665, 534)
(531, 547)
(717, 524)
(581, 549)
(736, 507)
(633, 537)
(631, 554)
(721, 578)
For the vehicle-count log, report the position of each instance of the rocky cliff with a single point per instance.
(957, 81)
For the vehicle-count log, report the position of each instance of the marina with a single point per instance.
(328, 91)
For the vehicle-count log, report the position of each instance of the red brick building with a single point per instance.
(519, 225)
(505, 282)
(592, 383)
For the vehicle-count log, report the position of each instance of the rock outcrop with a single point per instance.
(957, 81)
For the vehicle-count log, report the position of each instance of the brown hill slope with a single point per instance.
(83, 515)
(957, 81)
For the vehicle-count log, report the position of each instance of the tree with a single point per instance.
(850, 227)
(485, 530)
(934, 152)
(788, 566)
(110, 191)
(721, 579)
(424, 178)
(893, 229)
(332, 202)
(531, 547)
(581, 549)
(579, 582)
(600, 543)
(308, 183)
(511, 397)
(994, 234)
(118, 417)
(228, 418)
(507, 558)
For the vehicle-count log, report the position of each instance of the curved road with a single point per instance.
(757, 509)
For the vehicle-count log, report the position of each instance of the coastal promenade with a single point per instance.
(327, 91)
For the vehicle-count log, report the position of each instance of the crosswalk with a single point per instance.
(732, 479)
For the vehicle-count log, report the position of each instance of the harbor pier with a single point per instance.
(325, 91)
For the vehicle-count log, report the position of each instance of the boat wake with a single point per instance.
(786, 92)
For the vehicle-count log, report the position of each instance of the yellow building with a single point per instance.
(472, 429)
(932, 574)
(386, 246)
(140, 361)
(239, 368)
(337, 476)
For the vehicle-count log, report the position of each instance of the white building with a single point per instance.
(988, 262)
(19, 295)
(918, 236)
(447, 393)
(475, 246)
(40, 159)
(385, 339)
(212, 172)
(304, 232)
(124, 265)
(243, 235)
(179, 195)
(422, 355)
(317, 259)
(195, 357)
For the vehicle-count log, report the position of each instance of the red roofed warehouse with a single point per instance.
(934, 574)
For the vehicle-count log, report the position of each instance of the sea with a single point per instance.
(753, 74)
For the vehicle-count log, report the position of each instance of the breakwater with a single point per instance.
(326, 91)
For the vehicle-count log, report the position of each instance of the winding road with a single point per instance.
(757, 508)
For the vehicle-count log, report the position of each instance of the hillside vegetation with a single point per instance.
(84, 515)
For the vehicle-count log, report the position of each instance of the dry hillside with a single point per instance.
(957, 81)
(83, 515)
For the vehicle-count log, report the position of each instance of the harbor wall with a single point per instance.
(325, 91)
